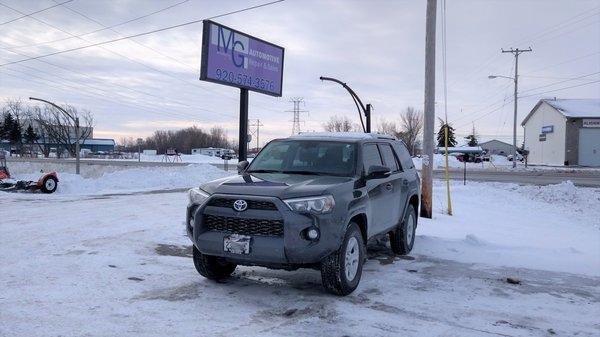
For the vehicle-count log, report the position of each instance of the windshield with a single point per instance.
(306, 157)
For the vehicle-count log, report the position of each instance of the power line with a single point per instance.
(99, 30)
(38, 11)
(563, 81)
(141, 34)
(559, 89)
(563, 62)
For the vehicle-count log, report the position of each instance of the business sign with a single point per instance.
(591, 123)
(548, 129)
(236, 59)
(542, 137)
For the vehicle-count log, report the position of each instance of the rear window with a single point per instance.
(405, 158)
(388, 157)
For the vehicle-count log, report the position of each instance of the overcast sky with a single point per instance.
(138, 85)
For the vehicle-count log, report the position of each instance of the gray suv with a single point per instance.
(311, 200)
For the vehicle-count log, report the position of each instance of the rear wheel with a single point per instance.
(49, 184)
(212, 267)
(402, 238)
(341, 271)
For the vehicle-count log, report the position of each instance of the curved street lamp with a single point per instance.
(514, 79)
(75, 120)
(362, 109)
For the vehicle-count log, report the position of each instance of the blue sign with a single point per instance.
(236, 59)
(548, 129)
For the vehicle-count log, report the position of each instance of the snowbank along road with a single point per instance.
(91, 262)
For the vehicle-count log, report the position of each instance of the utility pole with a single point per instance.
(429, 109)
(296, 111)
(516, 52)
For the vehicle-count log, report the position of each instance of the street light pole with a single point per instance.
(366, 110)
(75, 119)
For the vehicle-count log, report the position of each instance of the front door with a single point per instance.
(379, 192)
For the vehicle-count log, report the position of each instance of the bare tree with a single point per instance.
(389, 128)
(56, 128)
(412, 126)
(339, 124)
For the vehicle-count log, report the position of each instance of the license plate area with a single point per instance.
(237, 244)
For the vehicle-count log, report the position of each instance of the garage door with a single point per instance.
(589, 147)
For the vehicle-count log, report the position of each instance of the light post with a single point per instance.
(359, 105)
(515, 79)
(75, 120)
(139, 144)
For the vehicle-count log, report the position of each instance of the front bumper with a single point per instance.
(291, 248)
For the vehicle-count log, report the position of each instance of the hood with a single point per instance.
(278, 185)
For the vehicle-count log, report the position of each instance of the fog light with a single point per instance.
(312, 233)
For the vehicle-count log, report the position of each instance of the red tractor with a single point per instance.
(47, 182)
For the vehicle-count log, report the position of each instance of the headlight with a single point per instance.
(197, 196)
(318, 205)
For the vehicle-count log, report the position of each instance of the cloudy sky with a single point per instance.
(151, 82)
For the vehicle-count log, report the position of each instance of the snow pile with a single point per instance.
(553, 227)
(185, 158)
(135, 179)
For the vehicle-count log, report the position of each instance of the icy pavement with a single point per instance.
(102, 265)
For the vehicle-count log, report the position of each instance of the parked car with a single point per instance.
(308, 201)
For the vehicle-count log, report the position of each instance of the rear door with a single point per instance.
(395, 185)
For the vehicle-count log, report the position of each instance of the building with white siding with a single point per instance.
(563, 132)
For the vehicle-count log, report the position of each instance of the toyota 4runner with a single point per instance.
(311, 200)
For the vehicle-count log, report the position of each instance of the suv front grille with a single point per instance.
(243, 226)
(252, 204)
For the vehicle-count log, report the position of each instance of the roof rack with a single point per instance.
(353, 135)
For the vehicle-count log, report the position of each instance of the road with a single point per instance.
(579, 177)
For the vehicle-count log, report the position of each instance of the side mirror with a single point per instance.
(378, 172)
(242, 166)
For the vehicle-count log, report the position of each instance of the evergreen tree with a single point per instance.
(441, 135)
(30, 136)
(15, 134)
(7, 126)
(472, 138)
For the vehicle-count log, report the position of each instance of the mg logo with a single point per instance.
(229, 43)
(240, 205)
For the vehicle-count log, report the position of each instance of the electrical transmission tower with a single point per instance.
(296, 111)
(256, 124)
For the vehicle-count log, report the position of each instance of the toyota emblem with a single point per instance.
(240, 205)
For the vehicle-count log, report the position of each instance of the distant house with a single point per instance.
(563, 132)
(98, 144)
(212, 151)
(497, 147)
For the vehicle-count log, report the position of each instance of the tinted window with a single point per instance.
(302, 156)
(371, 156)
(388, 157)
(403, 155)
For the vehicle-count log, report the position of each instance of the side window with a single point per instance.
(371, 156)
(389, 158)
(404, 156)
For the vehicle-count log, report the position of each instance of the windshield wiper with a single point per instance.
(265, 171)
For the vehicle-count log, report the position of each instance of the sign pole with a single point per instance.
(243, 136)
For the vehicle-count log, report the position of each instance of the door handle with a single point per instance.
(389, 186)
(404, 182)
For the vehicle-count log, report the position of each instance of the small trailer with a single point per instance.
(47, 183)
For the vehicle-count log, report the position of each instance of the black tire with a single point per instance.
(402, 238)
(212, 267)
(49, 184)
(333, 267)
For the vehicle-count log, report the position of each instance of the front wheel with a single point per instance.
(212, 267)
(402, 238)
(341, 271)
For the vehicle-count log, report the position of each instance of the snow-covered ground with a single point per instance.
(89, 262)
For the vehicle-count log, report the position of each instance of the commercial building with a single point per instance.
(497, 147)
(563, 132)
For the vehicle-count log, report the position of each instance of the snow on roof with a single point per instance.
(571, 108)
(494, 140)
(353, 135)
(99, 141)
(576, 108)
